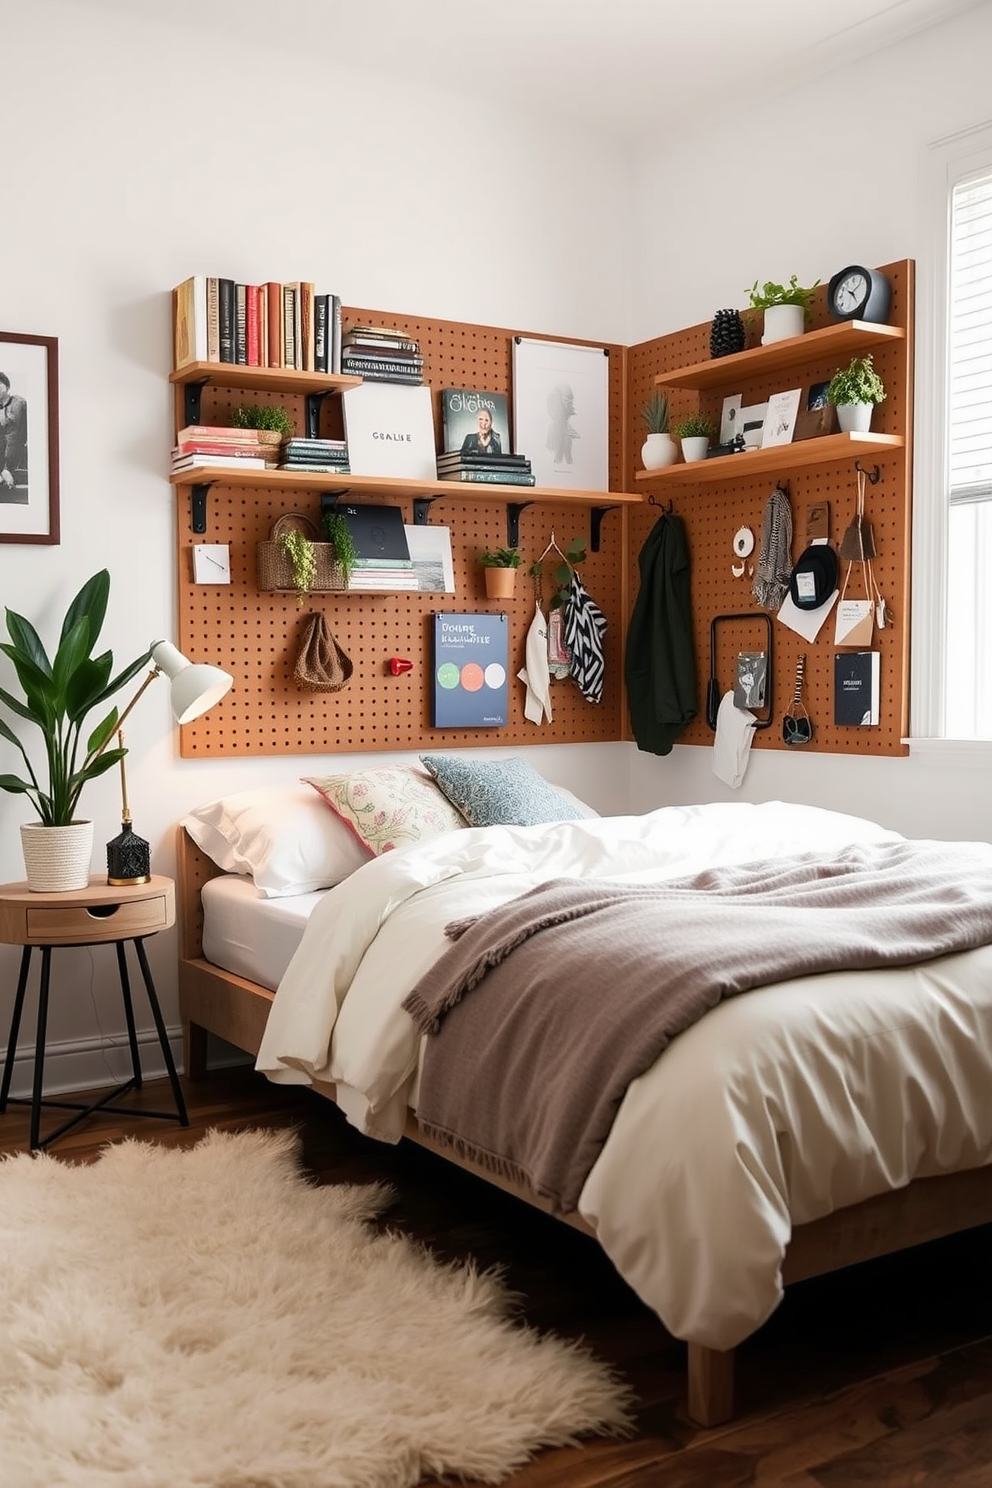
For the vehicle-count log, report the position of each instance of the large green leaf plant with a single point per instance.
(59, 695)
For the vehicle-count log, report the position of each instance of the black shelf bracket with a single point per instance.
(192, 400)
(595, 525)
(198, 506)
(513, 510)
(313, 402)
(422, 509)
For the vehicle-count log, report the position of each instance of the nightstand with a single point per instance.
(97, 915)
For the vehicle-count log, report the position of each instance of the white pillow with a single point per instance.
(282, 835)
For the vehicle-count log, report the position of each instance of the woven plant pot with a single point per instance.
(57, 859)
(275, 569)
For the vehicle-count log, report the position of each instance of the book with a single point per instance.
(225, 316)
(471, 461)
(217, 432)
(749, 684)
(382, 354)
(381, 581)
(463, 412)
(377, 531)
(219, 447)
(320, 333)
(251, 326)
(189, 321)
(213, 319)
(241, 324)
(334, 320)
(493, 477)
(262, 300)
(361, 365)
(470, 670)
(856, 688)
(306, 326)
(224, 462)
(289, 325)
(277, 345)
(390, 430)
(376, 374)
(370, 341)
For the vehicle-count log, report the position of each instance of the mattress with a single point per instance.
(251, 936)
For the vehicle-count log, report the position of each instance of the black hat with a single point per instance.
(814, 577)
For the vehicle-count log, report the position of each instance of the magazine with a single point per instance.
(467, 417)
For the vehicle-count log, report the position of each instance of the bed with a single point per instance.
(811, 1131)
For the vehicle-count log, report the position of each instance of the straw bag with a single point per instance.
(275, 567)
(321, 665)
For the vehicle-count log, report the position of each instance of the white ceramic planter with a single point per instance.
(57, 859)
(782, 322)
(658, 450)
(854, 418)
(695, 448)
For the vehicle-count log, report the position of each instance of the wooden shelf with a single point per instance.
(826, 450)
(271, 379)
(381, 485)
(841, 340)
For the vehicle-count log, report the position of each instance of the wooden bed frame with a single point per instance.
(235, 1009)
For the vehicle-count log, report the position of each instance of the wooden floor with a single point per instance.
(881, 1374)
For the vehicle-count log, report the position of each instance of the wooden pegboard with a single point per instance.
(256, 635)
(713, 511)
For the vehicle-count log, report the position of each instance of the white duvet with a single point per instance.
(776, 1108)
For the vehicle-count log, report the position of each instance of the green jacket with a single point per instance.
(660, 664)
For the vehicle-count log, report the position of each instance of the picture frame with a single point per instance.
(561, 412)
(780, 417)
(29, 438)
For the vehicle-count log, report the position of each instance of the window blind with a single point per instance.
(970, 442)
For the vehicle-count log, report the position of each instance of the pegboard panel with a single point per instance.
(257, 635)
(713, 511)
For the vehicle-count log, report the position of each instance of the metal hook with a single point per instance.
(873, 475)
(667, 510)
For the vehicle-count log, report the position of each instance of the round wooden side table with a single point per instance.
(97, 915)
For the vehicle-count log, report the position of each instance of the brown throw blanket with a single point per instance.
(526, 1076)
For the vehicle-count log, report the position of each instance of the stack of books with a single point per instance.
(218, 445)
(314, 454)
(381, 355)
(256, 325)
(507, 470)
(382, 560)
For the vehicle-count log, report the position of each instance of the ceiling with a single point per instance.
(623, 67)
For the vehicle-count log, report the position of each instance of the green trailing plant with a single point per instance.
(770, 294)
(299, 549)
(262, 416)
(562, 573)
(694, 426)
(59, 695)
(338, 534)
(655, 413)
(500, 558)
(856, 383)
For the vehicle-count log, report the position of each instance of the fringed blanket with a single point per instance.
(581, 985)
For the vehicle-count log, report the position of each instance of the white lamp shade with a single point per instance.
(196, 686)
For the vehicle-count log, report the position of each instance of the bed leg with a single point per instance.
(194, 1051)
(711, 1385)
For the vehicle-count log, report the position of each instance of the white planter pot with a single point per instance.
(659, 450)
(854, 418)
(57, 859)
(782, 322)
(695, 448)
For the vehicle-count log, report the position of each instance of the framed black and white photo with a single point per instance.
(29, 438)
(561, 412)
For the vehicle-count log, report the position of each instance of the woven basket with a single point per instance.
(275, 570)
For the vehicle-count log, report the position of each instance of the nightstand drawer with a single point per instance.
(88, 925)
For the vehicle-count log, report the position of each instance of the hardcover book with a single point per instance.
(390, 430)
(856, 688)
(377, 532)
(475, 421)
(470, 677)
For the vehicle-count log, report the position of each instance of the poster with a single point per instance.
(471, 653)
(561, 412)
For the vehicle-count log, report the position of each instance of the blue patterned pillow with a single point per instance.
(492, 793)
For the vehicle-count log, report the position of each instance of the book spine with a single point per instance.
(297, 327)
(320, 333)
(240, 326)
(220, 447)
(334, 319)
(374, 343)
(225, 294)
(273, 292)
(496, 477)
(251, 326)
(379, 364)
(371, 374)
(213, 320)
(306, 326)
(262, 301)
(189, 304)
(289, 325)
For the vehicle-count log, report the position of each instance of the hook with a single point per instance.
(666, 510)
(553, 548)
(873, 475)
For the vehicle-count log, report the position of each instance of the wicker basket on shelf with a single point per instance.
(275, 567)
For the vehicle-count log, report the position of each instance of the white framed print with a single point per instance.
(780, 417)
(29, 438)
(561, 412)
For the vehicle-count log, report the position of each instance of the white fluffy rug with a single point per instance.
(208, 1318)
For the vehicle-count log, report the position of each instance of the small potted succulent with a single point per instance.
(694, 432)
(500, 566)
(659, 448)
(853, 391)
(786, 307)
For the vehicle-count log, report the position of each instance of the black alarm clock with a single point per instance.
(856, 293)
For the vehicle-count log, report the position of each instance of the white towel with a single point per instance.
(536, 675)
(732, 745)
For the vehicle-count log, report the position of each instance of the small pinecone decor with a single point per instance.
(727, 333)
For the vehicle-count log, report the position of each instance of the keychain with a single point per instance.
(797, 726)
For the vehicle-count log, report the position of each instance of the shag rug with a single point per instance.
(209, 1318)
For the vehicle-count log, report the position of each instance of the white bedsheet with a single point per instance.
(252, 936)
(777, 1107)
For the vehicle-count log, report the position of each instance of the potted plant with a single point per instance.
(500, 565)
(302, 555)
(270, 421)
(785, 306)
(59, 695)
(854, 390)
(659, 448)
(694, 432)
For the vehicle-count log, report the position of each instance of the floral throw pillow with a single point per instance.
(492, 793)
(388, 807)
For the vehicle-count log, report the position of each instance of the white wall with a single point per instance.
(829, 175)
(137, 154)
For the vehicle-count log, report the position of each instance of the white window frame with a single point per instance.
(948, 160)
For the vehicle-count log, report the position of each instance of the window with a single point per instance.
(952, 652)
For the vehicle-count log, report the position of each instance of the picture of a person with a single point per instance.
(561, 408)
(13, 443)
(485, 441)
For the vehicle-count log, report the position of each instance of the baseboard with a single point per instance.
(90, 1064)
